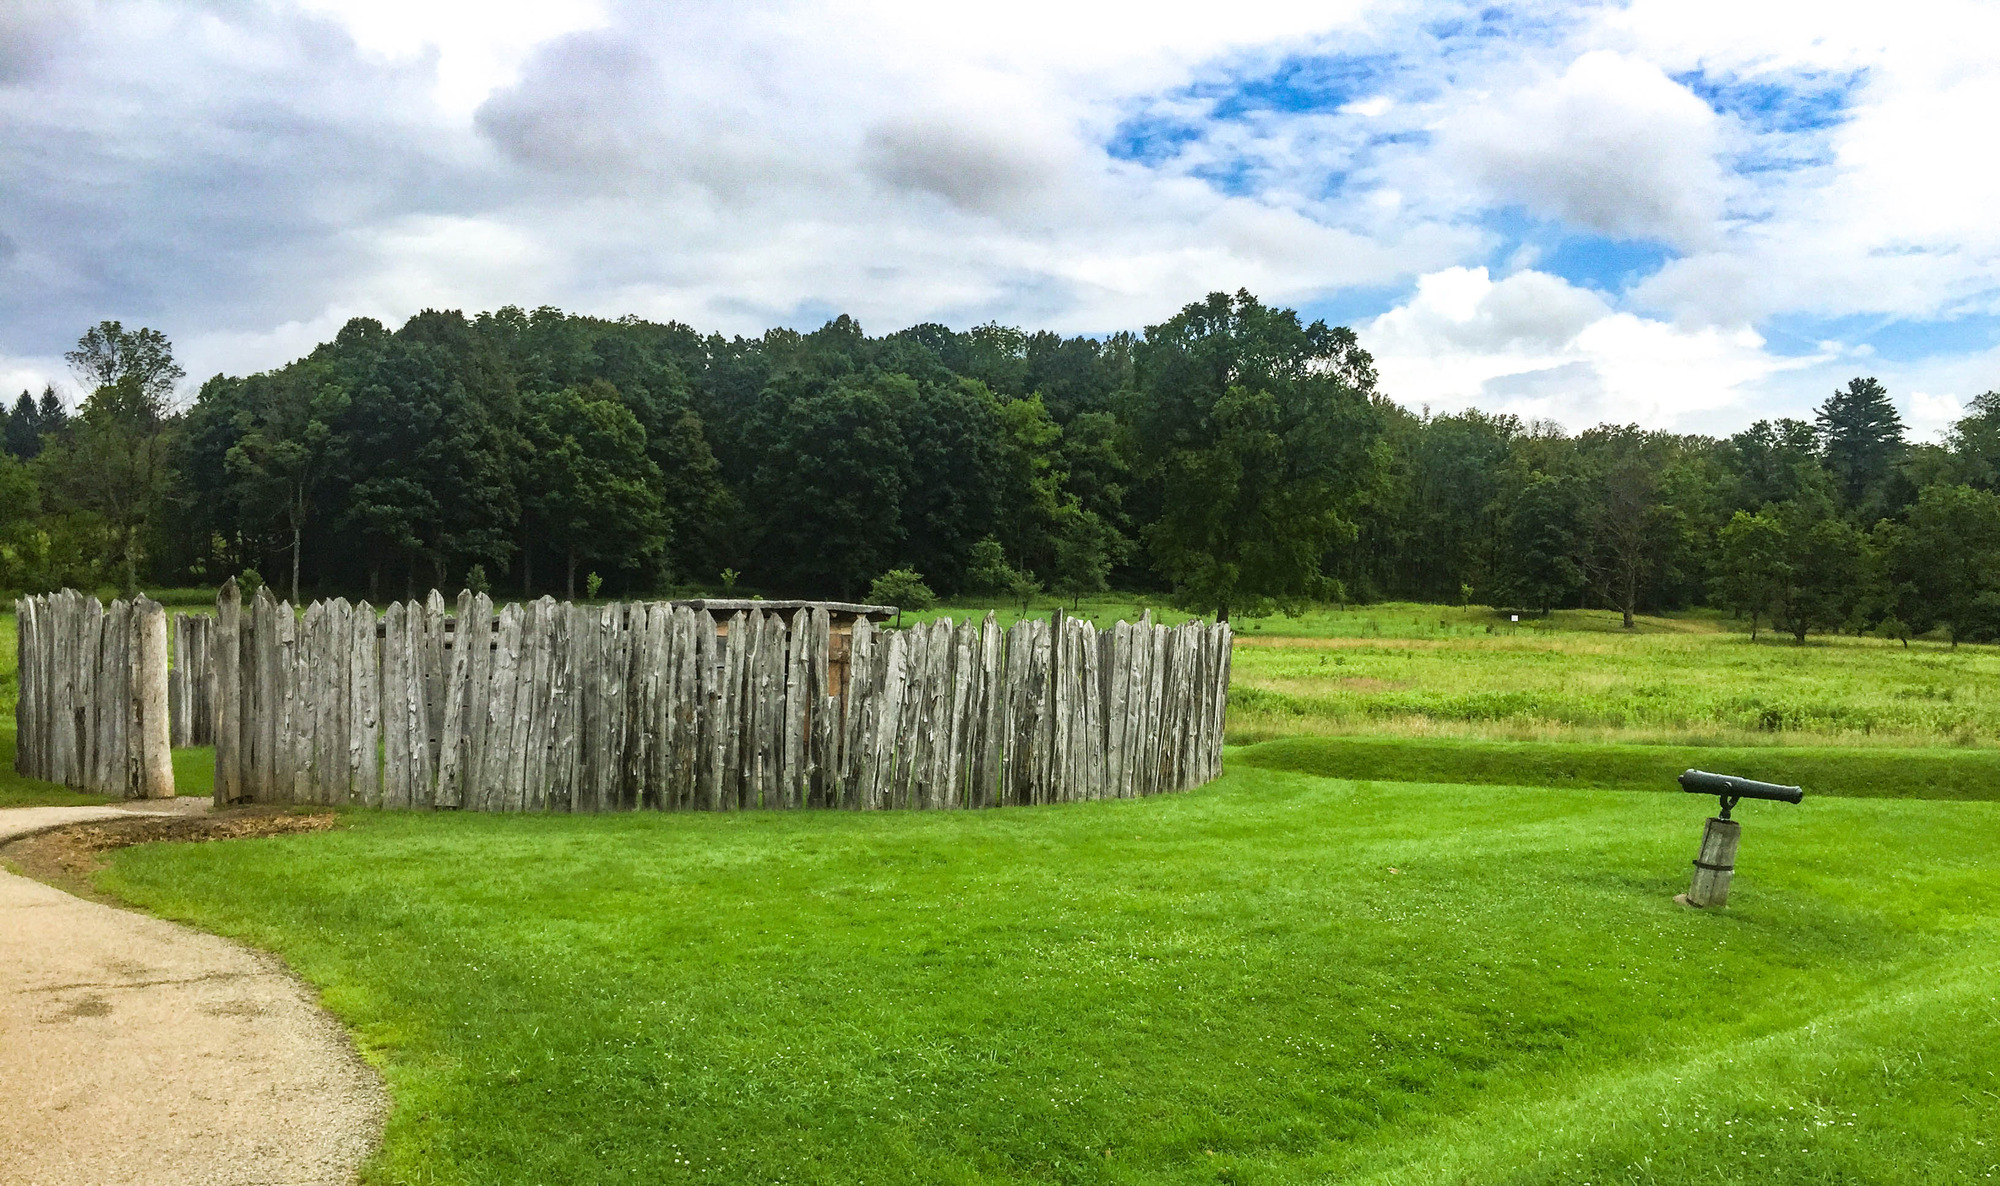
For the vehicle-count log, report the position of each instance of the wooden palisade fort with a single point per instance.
(691, 705)
(92, 709)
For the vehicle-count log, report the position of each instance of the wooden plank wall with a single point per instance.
(549, 706)
(93, 706)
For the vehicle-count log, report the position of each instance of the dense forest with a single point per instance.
(1232, 457)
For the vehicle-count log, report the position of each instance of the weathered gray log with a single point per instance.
(856, 709)
(822, 747)
(729, 712)
(206, 717)
(528, 772)
(912, 741)
(488, 791)
(688, 631)
(152, 739)
(795, 713)
(395, 695)
(934, 730)
(1715, 864)
(879, 792)
(656, 675)
(711, 666)
(179, 729)
(29, 728)
(435, 670)
(565, 708)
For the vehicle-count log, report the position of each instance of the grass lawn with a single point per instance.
(1278, 978)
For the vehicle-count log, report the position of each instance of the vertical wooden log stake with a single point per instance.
(1712, 869)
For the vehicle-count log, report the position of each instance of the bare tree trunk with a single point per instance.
(295, 562)
(569, 555)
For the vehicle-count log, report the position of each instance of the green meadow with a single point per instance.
(1421, 931)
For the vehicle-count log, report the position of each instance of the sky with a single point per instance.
(1687, 215)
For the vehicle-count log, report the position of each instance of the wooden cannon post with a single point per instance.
(1717, 859)
(1714, 864)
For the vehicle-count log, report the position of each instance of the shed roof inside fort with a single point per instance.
(721, 607)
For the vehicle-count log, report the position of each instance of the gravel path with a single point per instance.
(135, 1050)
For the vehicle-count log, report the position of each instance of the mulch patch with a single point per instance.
(68, 857)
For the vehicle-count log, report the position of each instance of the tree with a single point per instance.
(1776, 461)
(826, 491)
(137, 364)
(1750, 579)
(590, 488)
(1798, 562)
(1541, 536)
(20, 509)
(1862, 436)
(116, 463)
(1086, 550)
(1260, 434)
(1630, 531)
(1975, 442)
(1824, 557)
(286, 447)
(987, 571)
(1945, 562)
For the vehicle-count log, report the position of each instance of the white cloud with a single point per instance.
(1892, 212)
(30, 375)
(476, 45)
(1536, 346)
(1611, 145)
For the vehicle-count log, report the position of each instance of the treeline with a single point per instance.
(1232, 455)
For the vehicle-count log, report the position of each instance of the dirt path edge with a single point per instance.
(133, 1049)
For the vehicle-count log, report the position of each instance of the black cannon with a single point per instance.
(1730, 788)
(1717, 862)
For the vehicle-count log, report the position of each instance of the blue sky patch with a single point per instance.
(1895, 340)
(1801, 103)
(1586, 260)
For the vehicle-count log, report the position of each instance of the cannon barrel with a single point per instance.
(1729, 786)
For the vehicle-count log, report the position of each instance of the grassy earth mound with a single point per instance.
(1882, 773)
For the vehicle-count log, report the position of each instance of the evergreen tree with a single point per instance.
(1862, 436)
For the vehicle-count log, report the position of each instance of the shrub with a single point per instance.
(903, 588)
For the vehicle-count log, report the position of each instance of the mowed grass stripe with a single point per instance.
(1869, 773)
(1279, 978)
